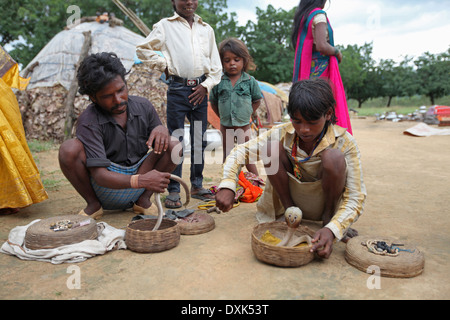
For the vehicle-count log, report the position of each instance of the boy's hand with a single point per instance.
(323, 243)
(224, 199)
(198, 95)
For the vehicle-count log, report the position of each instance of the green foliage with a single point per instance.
(358, 72)
(433, 71)
(223, 23)
(37, 146)
(397, 79)
(269, 43)
(35, 22)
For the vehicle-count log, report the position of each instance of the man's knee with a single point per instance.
(175, 150)
(70, 150)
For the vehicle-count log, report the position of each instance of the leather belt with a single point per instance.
(188, 82)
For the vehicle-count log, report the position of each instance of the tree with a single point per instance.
(397, 79)
(35, 22)
(359, 74)
(269, 43)
(224, 25)
(433, 71)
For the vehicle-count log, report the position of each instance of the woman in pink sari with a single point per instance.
(315, 53)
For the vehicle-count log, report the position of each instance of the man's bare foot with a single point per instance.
(144, 202)
(351, 233)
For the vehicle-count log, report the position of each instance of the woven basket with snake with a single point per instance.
(276, 255)
(140, 236)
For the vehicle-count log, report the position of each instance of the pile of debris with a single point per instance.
(43, 112)
(147, 83)
(394, 117)
(418, 115)
(434, 115)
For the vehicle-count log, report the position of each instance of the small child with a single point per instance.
(311, 164)
(236, 97)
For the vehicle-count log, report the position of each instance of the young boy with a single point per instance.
(192, 64)
(311, 163)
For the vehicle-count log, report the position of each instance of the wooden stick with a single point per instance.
(70, 98)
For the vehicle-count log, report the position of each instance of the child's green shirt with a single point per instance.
(235, 103)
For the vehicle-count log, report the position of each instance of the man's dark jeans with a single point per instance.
(178, 108)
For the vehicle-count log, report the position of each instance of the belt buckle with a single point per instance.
(191, 82)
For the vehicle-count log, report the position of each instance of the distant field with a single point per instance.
(399, 105)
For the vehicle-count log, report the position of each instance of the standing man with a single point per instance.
(192, 65)
(109, 162)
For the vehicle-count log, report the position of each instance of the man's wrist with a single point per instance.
(134, 181)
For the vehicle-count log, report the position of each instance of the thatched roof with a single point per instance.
(58, 58)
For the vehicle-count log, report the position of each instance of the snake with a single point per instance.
(293, 217)
(158, 203)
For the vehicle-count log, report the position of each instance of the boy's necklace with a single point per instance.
(296, 145)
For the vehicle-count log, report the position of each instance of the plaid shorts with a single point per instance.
(119, 199)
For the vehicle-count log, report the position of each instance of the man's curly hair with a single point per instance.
(97, 70)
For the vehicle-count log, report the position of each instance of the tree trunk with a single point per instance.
(431, 98)
(389, 101)
(70, 115)
(360, 102)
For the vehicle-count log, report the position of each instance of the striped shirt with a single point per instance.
(354, 195)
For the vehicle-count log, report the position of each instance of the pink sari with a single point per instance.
(302, 69)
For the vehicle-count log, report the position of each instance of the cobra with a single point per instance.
(159, 205)
(293, 217)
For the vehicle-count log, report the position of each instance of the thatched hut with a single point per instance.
(52, 71)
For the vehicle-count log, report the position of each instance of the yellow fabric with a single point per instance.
(9, 72)
(269, 238)
(20, 182)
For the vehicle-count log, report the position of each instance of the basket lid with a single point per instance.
(44, 235)
(405, 262)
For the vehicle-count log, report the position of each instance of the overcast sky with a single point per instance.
(396, 27)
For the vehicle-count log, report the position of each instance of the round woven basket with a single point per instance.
(40, 236)
(196, 223)
(139, 236)
(279, 256)
(403, 265)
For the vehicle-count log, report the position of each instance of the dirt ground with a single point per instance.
(408, 183)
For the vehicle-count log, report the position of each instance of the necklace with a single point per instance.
(296, 145)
